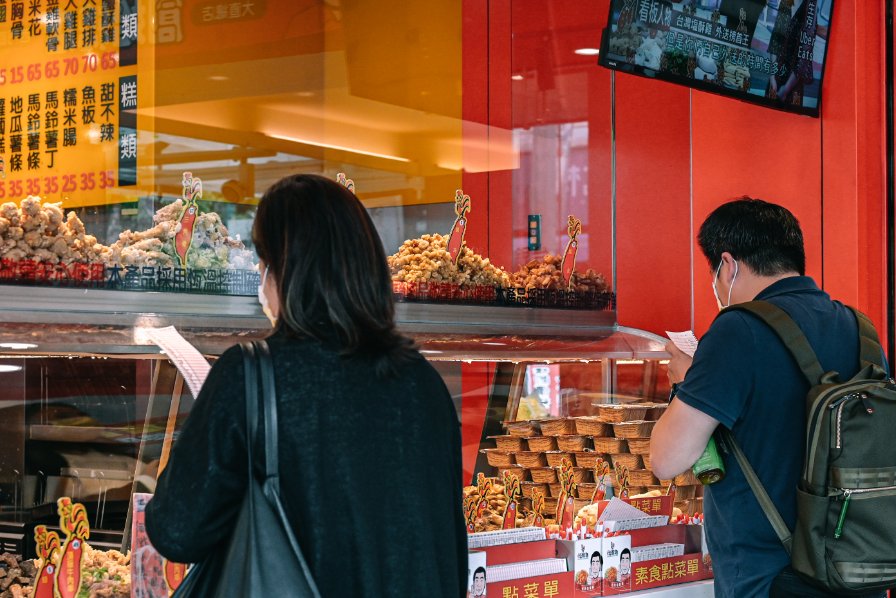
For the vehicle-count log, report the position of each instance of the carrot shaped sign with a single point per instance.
(568, 265)
(183, 238)
(601, 476)
(513, 493)
(347, 183)
(459, 230)
(73, 522)
(48, 546)
(174, 574)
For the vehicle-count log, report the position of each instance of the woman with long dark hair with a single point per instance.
(370, 464)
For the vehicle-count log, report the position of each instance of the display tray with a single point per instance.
(91, 434)
(503, 297)
(86, 275)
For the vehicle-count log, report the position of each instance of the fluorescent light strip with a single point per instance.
(338, 147)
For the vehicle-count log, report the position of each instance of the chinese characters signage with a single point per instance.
(67, 100)
(130, 278)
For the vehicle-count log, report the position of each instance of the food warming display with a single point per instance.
(618, 435)
(546, 274)
(40, 232)
(426, 260)
(444, 269)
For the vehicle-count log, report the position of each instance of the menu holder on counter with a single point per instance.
(618, 515)
(505, 536)
(510, 571)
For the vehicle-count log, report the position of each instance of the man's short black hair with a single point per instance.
(625, 551)
(763, 235)
(478, 571)
(599, 556)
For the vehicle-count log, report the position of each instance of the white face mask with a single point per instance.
(263, 299)
(715, 278)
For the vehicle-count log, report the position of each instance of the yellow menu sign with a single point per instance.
(68, 99)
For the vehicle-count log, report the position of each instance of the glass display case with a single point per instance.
(90, 408)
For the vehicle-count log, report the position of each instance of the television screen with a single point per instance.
(769, 52)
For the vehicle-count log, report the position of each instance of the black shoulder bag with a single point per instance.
(262, 557)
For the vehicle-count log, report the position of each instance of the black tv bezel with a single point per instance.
(633, 69)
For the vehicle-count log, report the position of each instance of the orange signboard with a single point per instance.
(67, 102)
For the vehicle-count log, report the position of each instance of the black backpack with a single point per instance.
(845, 536)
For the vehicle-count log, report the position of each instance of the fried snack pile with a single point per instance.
(493, 516)
(16, 576)
(39, 231)
(427, 260)
(212, 245)
(587, 515)
(105, 574)
(546, 274)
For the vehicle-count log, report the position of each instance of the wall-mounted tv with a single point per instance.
(770, 52)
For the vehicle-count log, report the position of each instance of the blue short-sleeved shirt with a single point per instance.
(744, 376)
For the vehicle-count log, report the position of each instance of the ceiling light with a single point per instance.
(339, 147)
(5, 369)
(517, 77)
(18, 346)
(587, 51)
(218, 78)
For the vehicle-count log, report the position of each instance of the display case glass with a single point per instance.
(90, 410)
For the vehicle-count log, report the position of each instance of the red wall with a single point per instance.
(829, 171)
(680, 153)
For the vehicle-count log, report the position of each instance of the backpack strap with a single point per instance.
(762, 497)
(791, 335)
(870, 352)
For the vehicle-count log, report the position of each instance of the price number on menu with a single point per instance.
(50, 185)
(51, 69)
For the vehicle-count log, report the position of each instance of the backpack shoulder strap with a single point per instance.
(768, 507)
(870, 352)
(789, 333)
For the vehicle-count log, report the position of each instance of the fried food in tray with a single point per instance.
(213, 247)
(546, 274)
(427, 260)
(41, 232)
(38, 231)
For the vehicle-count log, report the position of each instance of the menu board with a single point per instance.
(68, 99)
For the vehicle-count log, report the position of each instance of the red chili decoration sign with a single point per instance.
(459, 230)
(568, 265)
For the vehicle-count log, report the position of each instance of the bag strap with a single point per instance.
(251, 376)
(272, 459)
(768, 507)
(269, 395)
(870, 352)
(789, 333)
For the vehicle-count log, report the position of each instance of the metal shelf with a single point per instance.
(65, 321)
(79, 434)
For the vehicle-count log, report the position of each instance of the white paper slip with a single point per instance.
(524, 569)
(505, 536)
(188, 360)
(686, 341)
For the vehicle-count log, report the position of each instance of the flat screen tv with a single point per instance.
(770, 52)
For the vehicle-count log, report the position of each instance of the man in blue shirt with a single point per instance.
(743, 377)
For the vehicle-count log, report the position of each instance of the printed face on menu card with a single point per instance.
(588, 564)
(618, 562)
(476, 575)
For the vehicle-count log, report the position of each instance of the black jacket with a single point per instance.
(370, 472)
